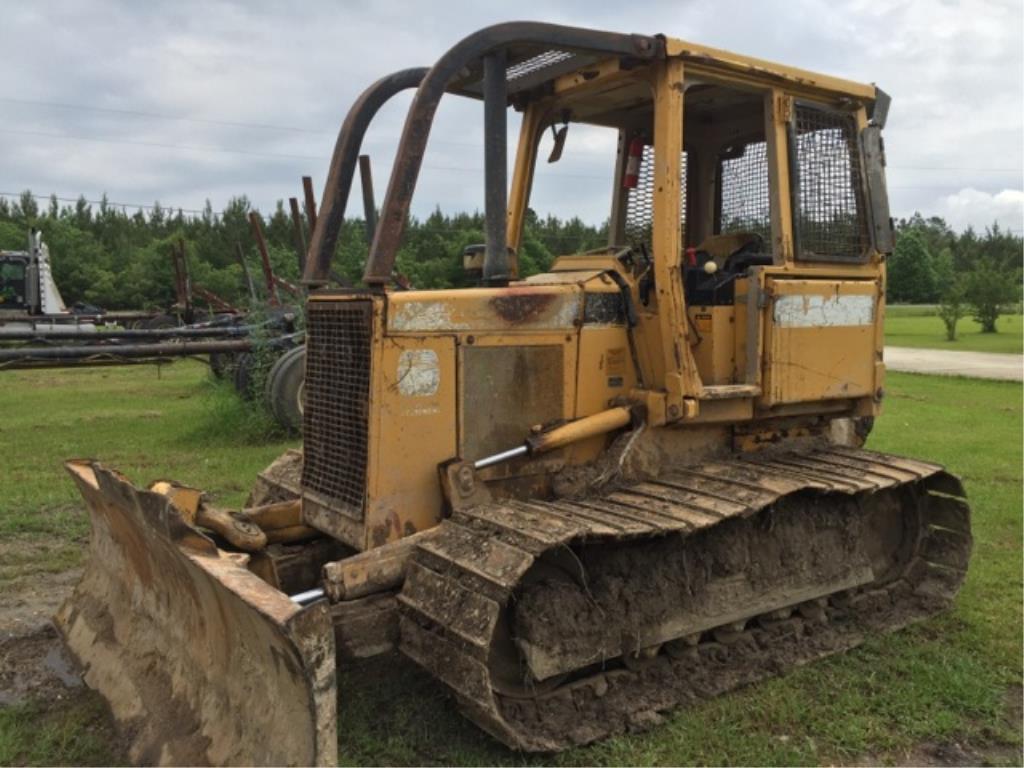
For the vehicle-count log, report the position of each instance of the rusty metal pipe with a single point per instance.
(94, 362)
(101, 337)
(268, 270)
(170, 349)
(310, 196)
(495, 169)
(324, 237)
(369, 202)
(179, 280)
(297, 233)
(240, 255)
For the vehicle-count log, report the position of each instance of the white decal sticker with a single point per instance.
(799, 311)
(419, 373)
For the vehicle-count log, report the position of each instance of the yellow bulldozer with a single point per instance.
(579, 498)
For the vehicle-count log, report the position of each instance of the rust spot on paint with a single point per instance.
(516, 308)
(387, 530)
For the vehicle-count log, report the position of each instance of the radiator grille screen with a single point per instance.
(337, 388)
(831, 221)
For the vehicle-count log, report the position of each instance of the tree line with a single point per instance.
(106, 256)
(965, 273)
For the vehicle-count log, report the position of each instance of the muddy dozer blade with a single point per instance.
(200, 660)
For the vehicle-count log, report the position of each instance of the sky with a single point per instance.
(182, 102)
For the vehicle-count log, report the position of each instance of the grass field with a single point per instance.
(919, 326)
(955, 680)
(148, 422)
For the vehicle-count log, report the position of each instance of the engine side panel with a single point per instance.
(410, 434)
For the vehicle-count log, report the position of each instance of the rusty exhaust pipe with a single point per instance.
(495, 169)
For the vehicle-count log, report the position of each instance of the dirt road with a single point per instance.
(978, 365)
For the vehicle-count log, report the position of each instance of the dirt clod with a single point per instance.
(281, 481)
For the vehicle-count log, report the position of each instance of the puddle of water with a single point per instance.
(57, 662)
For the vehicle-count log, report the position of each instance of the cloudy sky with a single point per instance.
(182, 102)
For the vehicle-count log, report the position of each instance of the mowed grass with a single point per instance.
(950, 680)
(172, 422)
(70, 732)
(919, 326)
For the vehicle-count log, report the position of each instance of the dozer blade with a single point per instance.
(200, 660)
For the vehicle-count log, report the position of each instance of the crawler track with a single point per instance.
(561, 622)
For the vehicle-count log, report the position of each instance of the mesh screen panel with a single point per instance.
(831, 221)
(743, 184)
(337, 388)
(640, 201)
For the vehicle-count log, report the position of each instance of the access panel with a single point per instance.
(820, 340)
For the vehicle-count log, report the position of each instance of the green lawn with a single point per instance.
(171, 422)
(919, 326)
(947, 681)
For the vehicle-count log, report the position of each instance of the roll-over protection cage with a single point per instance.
(495, 64)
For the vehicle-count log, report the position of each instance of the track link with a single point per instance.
(519, 607)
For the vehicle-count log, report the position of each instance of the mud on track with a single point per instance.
(559, 623)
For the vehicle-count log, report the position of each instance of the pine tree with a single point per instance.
(989, 292)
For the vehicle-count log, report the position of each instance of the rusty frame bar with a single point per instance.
(298, 234)
(307, 192)
(369, 200)
(324, 238)
(165, 349)
(181, 282)
(240, 256)
(268, 270)
(215, 301)
(291, 288)
(413, 143)
(116, 336)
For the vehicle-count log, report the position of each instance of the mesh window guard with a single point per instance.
(640, 202)
(830, 219)
(743, 186)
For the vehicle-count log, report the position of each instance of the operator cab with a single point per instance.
(729, 213)
(14, 281)
(726, 206)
